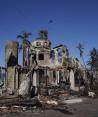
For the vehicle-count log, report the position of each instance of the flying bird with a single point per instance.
(50, 21)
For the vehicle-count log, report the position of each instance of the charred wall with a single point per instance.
(11, 53)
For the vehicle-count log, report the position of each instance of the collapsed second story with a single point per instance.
(58, 55)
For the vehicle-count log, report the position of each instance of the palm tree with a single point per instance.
(81, 48)
(25, 43)
(93, 63)
(43, 34)
(93, 59)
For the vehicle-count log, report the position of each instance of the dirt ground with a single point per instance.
(89, 108)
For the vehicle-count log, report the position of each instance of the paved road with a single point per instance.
(89, 108)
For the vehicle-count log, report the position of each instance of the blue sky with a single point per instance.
(74, 21)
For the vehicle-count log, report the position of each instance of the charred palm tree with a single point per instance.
(93, 63)
(25, 43)
(81, 48)
(93, 59)
(43, 34)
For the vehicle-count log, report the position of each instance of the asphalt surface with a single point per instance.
(88, 108)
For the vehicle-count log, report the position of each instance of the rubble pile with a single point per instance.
(56, 101)
(47, 101)
(12, 109)
(23, 106)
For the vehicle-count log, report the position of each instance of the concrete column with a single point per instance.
(17, 79)
(56, 82)
(56, 57)
(72, 80)
(48, 73)
(35, 79)
(37, 54)
(51, 76)
(58, 76)
(46, 78)
(63, 75)
(14, 78)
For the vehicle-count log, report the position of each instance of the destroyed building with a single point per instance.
(52, 66)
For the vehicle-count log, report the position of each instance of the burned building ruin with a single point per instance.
(51, 66)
